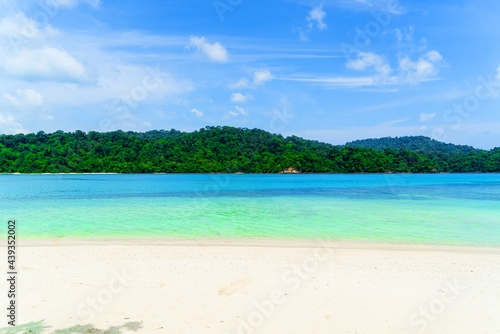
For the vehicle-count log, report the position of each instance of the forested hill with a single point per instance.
(413, 143)
(218, 150)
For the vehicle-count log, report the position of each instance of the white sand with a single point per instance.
(258, 287)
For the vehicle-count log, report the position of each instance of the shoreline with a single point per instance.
(248, 242)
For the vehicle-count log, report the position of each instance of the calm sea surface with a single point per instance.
(459, 209)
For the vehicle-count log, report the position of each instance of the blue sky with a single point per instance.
(332, 70)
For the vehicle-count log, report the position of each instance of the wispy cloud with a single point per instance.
(241, 83)
(426, 117)
(392, 6)
(333, 82)
(72, 3)
(384, 106)
(235, 113)
(393, 122)
(10, 126)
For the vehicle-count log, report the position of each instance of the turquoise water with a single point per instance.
(427, 208)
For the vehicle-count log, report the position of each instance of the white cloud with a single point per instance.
(404, 35)
(370, 60)
(9, 126)
(391, 123)
(48, 63)
(18, 25)
(197, 112)
(215, 52)
(426, 117)
(24, 98)
(72, 3)
(240, 98)
(129, 86)
(347, 82)
(18, 31)
(239, 111)
(43, 8)
(391, 6)
(317, 16)
(242, 83)
(261, 77)
(424, 68)
(26, 54)
(408, 72)
(182, 102)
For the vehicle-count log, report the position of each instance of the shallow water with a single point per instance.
(461, 209)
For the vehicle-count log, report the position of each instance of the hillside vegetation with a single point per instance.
(222, 150)
(413, 143)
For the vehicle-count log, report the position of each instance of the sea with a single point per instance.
(444, 209)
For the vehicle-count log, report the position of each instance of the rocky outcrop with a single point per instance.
(290, 170)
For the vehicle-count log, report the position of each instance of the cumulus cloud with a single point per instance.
(367, 60)
(316, 17)
(24, 98)
(240, 98)
(422, 69)
(316, 20)
(48, 63)
(215, 52)
(197, 112)
(261, 77)
(408, 71)
(427, 117)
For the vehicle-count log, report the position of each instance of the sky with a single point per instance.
(331, 70)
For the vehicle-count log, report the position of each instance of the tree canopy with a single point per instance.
(226, 150)
(413, 143)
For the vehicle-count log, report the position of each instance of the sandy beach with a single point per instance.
(248, 286)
